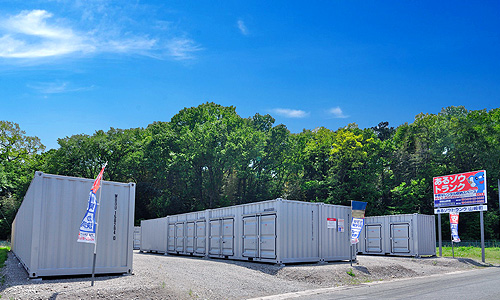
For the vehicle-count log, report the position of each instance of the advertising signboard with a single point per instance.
(460, 189)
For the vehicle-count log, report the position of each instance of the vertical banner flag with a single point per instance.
(88, 225)
(358, 219)
(454, 227)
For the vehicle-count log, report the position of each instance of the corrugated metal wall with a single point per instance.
(46, 227)
(154, 235)
(187, 233)
(335, 246)
(427, 243)
(402, 235)
(280, 231)
(298, 232)
(22, 227)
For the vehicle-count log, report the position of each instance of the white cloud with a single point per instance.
(136, 44)
(336, 112)
(33, 23)
(182, 48)
(29, 36)
(57, 87)
(290, 113)
(37, 34)
(242, 27)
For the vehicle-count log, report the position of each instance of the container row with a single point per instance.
(277, 231)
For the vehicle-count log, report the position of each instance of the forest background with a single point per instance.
(208, 157)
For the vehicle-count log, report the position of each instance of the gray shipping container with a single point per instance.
(402, 235)
(154, 235)
(277, 231)
(46, 227)
(137, 237)
(187, 234)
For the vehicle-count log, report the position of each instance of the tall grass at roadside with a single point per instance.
(3, 255)
(492, 255)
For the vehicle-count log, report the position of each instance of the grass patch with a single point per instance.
(351, 273)
(3, 255)
(492, 255)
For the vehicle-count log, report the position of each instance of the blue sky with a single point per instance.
(71, 67)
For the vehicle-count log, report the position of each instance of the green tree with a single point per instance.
(84, 155)
(342, 165)
(454, 141)
(211, 138)
(19, 159)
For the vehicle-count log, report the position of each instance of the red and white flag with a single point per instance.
(87, 232)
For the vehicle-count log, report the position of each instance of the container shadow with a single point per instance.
(14, 274)
(264, 267)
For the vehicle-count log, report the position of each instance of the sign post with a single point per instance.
(89, 225)
(464, 192)
(440, 238)
(454, 231)
(482, 235)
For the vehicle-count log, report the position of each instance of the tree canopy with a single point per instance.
(208, 156)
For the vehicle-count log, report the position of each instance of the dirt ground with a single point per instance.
(177, 277)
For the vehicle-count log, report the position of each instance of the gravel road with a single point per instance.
(177, 277)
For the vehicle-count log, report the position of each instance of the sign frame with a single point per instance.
(462, 189)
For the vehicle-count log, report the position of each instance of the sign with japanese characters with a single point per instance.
(356, 227)
(341, 227)
(454, 227)
(459, 209)
(331, 223)
(460, 189)
(358, 219)
(88, 227)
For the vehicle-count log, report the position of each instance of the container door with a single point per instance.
(250, 238)
(200, 240)
(190, 232)
(268, 236)
(137, 237)
(400, 237)
(215, 240)
(373, 238)
(179, 237)
(171, 238)
(227, 237)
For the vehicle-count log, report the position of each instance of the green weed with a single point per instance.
(3, 255)
(351, 273)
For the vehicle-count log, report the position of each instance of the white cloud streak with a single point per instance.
(37, 34)
(290, 113)
(242, 27)
(29, 36)
(182, 48)
(336, 112)
(57, 87)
